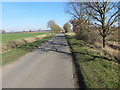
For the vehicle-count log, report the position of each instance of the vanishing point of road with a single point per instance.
(50, 66)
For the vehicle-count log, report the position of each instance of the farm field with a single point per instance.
(16, 36)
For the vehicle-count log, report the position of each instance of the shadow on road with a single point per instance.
(59, 44)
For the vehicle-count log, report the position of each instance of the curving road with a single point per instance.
(50, 66)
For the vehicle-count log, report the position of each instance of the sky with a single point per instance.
(20, 16)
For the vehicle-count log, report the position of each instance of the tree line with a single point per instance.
(56, 28)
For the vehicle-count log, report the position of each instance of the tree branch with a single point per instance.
(115, 19)
(108, 23)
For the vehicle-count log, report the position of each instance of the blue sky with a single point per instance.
(19, 16)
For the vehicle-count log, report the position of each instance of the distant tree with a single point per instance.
(3, 31)
(67, 27)
(39, 30)
(53, 26)
(50, 25)
(30, 30)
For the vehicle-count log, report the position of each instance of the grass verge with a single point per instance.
(94, 70)
(16, 53)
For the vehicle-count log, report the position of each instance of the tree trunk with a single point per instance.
(104, 41)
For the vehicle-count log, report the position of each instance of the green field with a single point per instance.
(16, 36)
(94, 70)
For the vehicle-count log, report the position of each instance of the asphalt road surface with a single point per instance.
(50, 66)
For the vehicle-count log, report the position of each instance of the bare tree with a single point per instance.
(81, 19)
(105, 14)
(102, 14)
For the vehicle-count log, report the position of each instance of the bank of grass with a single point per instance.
(16, 53)
(95, 69)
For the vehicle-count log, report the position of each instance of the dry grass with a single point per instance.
(108, 50)
(113, 43)
(111, 51)
(71, 33)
